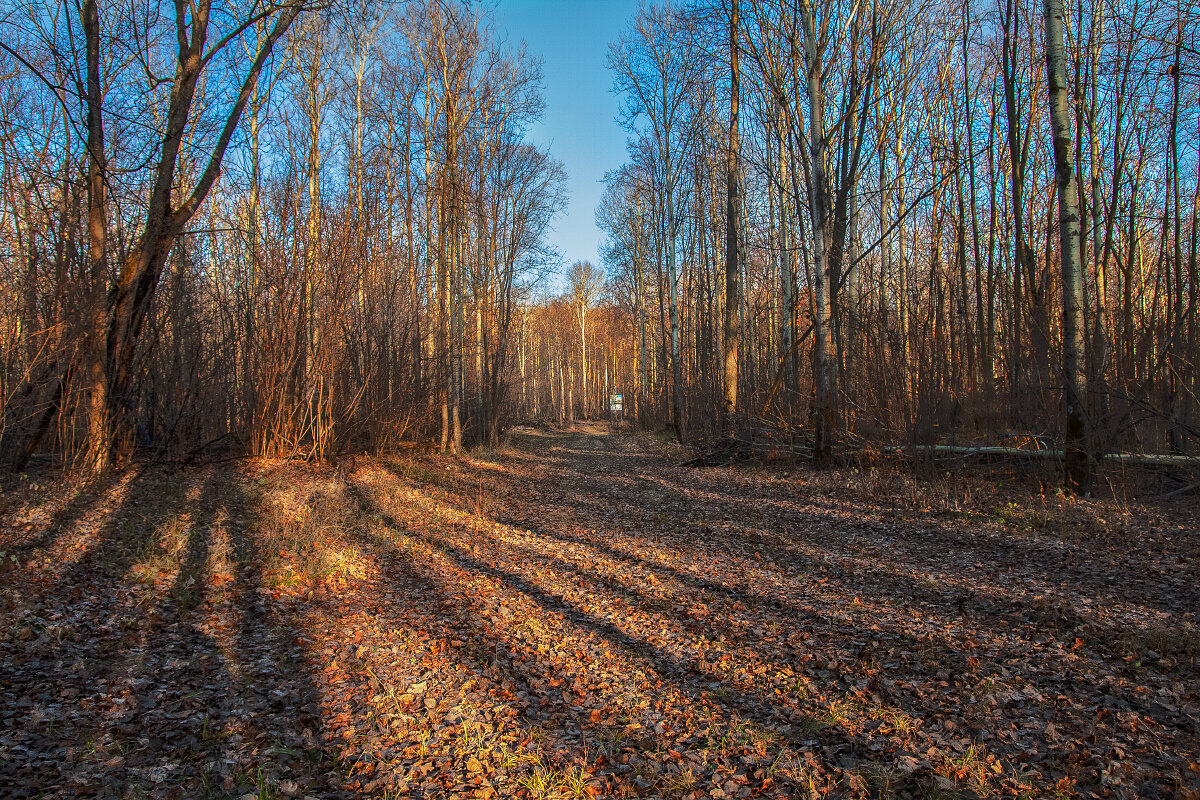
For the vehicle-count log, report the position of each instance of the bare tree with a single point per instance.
(585, 283)
(1077, 459)
(732, 219)
(656, 77)
(130, 298)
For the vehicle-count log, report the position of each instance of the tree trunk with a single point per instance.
(583, 357)
(130, 300)
(824, 370)
(99, 433)
(732, 212)
(673, 313)
(1077, 462)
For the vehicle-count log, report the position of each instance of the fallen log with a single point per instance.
(960, 451)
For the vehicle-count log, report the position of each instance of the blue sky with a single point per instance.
(579, 125)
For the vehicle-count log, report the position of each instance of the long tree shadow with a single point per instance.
(987, 608)
(1043, 560)
(983, 576)
(697, 683)
(82, 620)
(66, 504)
(932, 574)
(959, 609)
(155, 686)
(932, 545)
(476, 709)
(543, 679)
(1040, 560)
(741, 611)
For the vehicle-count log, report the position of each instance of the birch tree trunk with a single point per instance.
(1078, 466)
(824, 373)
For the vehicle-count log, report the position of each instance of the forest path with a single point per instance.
(754, 631)
(578, 614)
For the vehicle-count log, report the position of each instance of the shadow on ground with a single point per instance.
(575, 615)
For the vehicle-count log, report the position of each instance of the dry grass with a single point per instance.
(303, 528)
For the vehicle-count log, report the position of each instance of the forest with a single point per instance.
(860, 460)
(291, 231)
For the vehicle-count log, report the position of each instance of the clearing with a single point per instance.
(578, 614)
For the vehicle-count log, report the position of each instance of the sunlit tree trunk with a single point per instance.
(130, 300)
(733, 209)
(99, 432)
(825, 373)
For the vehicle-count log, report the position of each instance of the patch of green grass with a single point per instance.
(789, 766)
(1030, 519)
(261, 787)
(838, 712)
(304, 529)
(473, 739)
(902, 723)
(970, 768)
(210, 734)
(163, 553)
(543, 781)
(739, 734)
(264, 788)
(507, 758)
(423, 737)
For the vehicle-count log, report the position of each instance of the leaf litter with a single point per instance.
(578, 615)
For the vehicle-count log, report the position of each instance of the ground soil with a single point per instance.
(579, 614)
